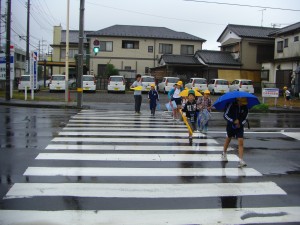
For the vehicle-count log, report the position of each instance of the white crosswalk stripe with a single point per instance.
(118, 156)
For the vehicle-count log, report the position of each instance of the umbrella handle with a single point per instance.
(186, 123)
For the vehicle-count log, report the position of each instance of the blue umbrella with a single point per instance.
(231, 97)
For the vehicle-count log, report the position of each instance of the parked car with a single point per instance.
(57, 83)
(167, 83)
(89, 83)
(219, 86)
(147, 81)
(197, 83)
(242, 85)
(41, 82)
(116, 83)
(24, 81)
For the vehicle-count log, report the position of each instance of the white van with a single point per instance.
(219, 86)
(116, 83)
(57, 83)
(167, 83)
(197, 83)
(25, 82)
(242, 85)
(146, 82)
(89, 83)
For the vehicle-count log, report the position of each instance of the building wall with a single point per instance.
(293, 48)
(137, 59)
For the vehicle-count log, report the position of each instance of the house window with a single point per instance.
(165, 48)
(106, 46)
(296, 38)
(187, 50)
(279, 46)
(130, 44)
(150, 48)
(127, 68)
(286, 42)
(72, 53)
(264, 75)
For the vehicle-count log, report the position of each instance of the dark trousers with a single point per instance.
(138, 102)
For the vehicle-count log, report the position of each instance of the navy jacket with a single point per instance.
(233, 111)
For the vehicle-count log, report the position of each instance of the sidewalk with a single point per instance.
(102, 106)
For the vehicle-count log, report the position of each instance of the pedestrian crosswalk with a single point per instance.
(117, 168)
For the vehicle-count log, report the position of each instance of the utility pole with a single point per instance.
(27, 38)
(262, 17)
(0, 24)
(67, 91)
(8, 21)
(80, 55)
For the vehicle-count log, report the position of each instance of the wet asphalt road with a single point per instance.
(271, 147)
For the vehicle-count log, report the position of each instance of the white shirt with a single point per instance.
(176, 93)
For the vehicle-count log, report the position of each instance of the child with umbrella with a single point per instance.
(236, 114)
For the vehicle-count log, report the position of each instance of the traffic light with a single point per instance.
(96, 50)
(96, 46)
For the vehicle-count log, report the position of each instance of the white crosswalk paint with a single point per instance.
(107, 126)
(133, 140)
(144, 172)
(124, 190)
(295, 135)
(137, 157)
(136, 147)
(128, 133)
(124, 121)
(135, 129)
(261, 215)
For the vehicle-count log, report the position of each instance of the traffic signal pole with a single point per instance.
(7, 83)
(67, 94)
(80, 55)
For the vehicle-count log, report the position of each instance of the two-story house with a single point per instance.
(286, 61)
(57, 62)
(250, 45)
(135, 49)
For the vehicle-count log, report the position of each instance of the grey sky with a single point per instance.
(204, 20)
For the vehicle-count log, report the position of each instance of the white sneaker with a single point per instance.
(242, 164)
(224, 157)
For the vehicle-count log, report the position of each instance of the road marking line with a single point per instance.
(295, 135)
(118, 128)
(260, 215)
(137, 157)
(117, 118)
(134, 140)
(142, 172)
(124, 121)
(126, 134)
(125, 190)
(169, 126)
(136, 147)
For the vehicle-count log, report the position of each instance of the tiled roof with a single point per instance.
(217, 58)
(250, 31)
(180, 59)
(293, 27)
(144, 32)
(73, 36)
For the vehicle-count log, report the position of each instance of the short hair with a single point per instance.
(138, 75)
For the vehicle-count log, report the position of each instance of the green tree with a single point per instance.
(111, 70)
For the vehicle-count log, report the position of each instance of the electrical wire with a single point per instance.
(242, 5)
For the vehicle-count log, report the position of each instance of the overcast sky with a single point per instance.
(204, 20)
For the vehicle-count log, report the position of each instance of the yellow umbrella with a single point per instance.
(185, 93)
(138, 88)
(197, 93)
(186, 123)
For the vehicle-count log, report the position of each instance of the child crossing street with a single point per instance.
(153, 98)
(190, 108)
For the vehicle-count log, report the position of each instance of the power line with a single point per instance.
(252, 6)
(153, 15)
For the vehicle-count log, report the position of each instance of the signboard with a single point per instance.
(270, 92)
(34, 58)
(3, 67)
